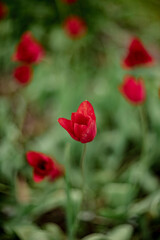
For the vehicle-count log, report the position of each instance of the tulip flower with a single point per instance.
(75, 27)
(137, 55)
(133, 90)
(82, 126)
(28, 50)
(43, 166)
(23, 74)
(3, 10)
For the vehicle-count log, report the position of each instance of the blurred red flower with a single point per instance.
(28, 50)
(137, 55)
(75, 27)
(23, 74)
(82, 126)
(133, 90)
(69, 1)
(43, 166)
(3, 10)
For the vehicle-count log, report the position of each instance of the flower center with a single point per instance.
(42, 165)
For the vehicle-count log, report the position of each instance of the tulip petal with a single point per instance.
(133, 90)
(23, 74)
(85, 133)
(137, 55)
(57, 171)
(79, 130)
(86, 109)
(79, 118)
(32, 158)
(75, 27)
(36, 177)
(28, 50)
(68, 126)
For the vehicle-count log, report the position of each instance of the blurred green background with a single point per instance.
(122, 165)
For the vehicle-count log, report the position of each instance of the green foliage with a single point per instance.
(122, 184)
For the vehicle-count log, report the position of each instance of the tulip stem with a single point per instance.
(82, 162)
(56, 9)
(69, 212)
(144, 132)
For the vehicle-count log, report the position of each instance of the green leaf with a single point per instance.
(149, 204)
(122, 232)
(118, 193)
(30, 232)
(54, 232)
(96, 236)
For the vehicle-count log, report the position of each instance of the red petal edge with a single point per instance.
(68, 126)
(37, 178)
(87, 109)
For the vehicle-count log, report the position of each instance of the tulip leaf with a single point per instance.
(118, 193)
(122, 232)
(54, 232)
(30, 232)
(96, 236)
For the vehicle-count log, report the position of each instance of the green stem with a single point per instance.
(57, 10)
(144, 132)
(82, 163)
(145, 153)
(69, 212)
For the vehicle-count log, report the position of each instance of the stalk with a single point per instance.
(69, 212)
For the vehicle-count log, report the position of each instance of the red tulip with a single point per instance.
(43, 166)
(82, 126)
(3, 10)
(75, 27)
(28, 50)
(23, 74)
(133, 90)
(57, 172)
(137, 55)
(69, 1)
